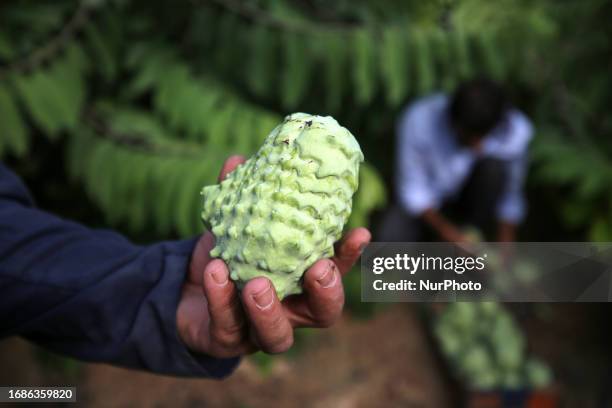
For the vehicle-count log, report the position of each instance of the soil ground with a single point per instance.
(385, 361)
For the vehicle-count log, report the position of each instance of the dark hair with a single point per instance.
(477, 106)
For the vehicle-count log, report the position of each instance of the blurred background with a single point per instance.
(117, 112)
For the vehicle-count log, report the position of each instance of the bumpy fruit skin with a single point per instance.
(284, 208)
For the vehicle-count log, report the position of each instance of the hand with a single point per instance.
(215, 319)
(506, 232)
(444, 228)
(450, 233)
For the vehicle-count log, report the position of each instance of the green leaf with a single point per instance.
(13, 133)
(158, 176)
(601, 230)
(335, 55)
(139, 185)
(205, 108)
(595, 182)
(491, 55)
(460, 47)
(103, 54)
(189, 200)
(243, 132)
(57, 100)
(264, 125)
(32, 91)
(220, 125)
(424, 68)
(261, 71)
(364, 65)
(96, 174)
(296, 72)
(79, 151)
(169, 89)
(68, 87)
(228, 32)
(443, 59)
(150, 67)
(394, 64)
(188, 116)
(111, 168)
(168, 188)
(6, 47)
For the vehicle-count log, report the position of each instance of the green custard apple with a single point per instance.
(283, 209)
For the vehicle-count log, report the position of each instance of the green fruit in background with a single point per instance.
(284, 208)
(486, 347)
(450, 343)
(538, 373)
(507, 342)
(489, 309)
(475, 360)
(513, 381)
(463, 316)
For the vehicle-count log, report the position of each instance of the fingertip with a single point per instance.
(352, 245)
(230, 164)
(365, 233)
(260, 292)
(359, 237)
(216, 264)
(208, 241)
(216, 273)
(236, 159)
(200, 258)
(325, 292)
(256, 285)
(322, 273)
(269, 325)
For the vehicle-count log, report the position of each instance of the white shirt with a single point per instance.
(433, 166)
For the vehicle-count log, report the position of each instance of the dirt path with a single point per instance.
(381, 362)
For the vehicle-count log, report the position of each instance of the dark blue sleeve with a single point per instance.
(92, 294)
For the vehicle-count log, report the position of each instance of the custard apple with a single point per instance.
(284, 208)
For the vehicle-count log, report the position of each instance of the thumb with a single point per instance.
(230, 164)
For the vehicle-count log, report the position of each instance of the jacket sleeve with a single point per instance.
(91, 294)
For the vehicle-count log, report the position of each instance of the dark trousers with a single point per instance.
(475, 205)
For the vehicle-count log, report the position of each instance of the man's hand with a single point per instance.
(215, 319)
(506, 232)
(444, 228)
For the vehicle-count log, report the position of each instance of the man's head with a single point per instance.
(476, 107)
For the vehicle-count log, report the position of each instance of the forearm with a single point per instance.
(506, 231)
(445, 229)
(92, 294)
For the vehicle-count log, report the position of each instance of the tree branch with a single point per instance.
(46, 51)
(263, 17)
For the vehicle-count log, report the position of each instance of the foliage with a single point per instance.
(574, 150)
(146, 99)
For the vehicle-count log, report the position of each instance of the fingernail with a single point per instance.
(220, 277)
(264, 298)
(329, 277)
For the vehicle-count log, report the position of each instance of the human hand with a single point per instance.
(215, 319)
(446, 230)
(453, 234)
